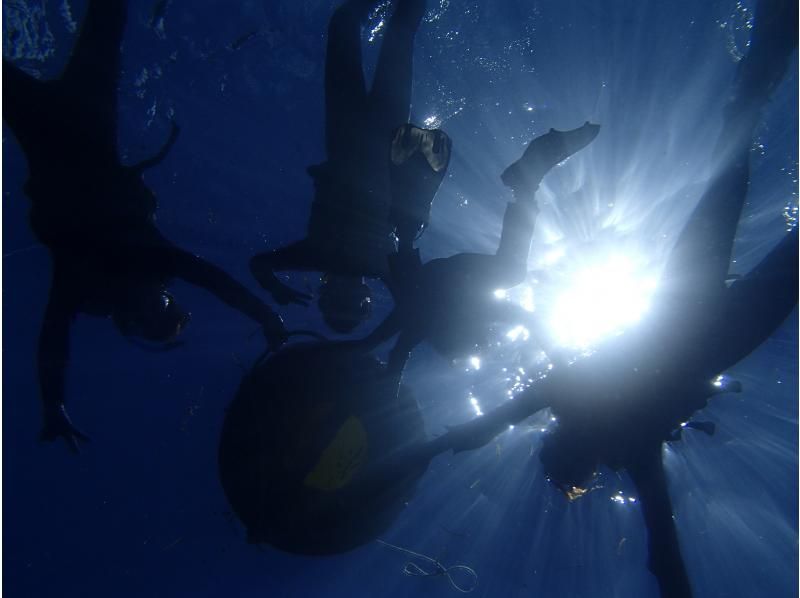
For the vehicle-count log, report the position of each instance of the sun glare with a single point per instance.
(599, 300)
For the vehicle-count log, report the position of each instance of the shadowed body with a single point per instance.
(449, 301)
(96, 215)
(618, 406)
(350, 230)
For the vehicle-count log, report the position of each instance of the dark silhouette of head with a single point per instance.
(566, 465)
(345, 302)
(149, 312)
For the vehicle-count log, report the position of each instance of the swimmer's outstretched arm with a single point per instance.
(53, 356)
(197, 271)
(398, 356)
(296, 256)
(755, 305)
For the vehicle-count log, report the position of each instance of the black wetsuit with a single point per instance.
(95, 215)
(450, 301)
(349, 230)
(618, 406)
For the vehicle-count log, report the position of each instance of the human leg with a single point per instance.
(390, 95)
(701, 257)
(345, 90)
(664, 559)
(523, 177)
(92, 73)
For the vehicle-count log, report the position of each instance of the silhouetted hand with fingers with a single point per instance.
(57, 424)
(285, 295)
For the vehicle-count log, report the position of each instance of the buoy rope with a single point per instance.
(413, 569)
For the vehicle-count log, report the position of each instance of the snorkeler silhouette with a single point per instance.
(651, 383)
(449, 301)
(616, 407)
(352, 216)
(96, 216)
(637, 391)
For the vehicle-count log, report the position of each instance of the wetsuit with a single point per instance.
(95, 215)
(450, 301)
(349, 230)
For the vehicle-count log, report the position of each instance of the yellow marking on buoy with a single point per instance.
(341, 458)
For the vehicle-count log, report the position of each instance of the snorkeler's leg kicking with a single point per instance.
(90, 78)
(345, 87)
(739, 318)
(664, 556)
(700, 261)
(419, 158)
(92, 73)
(390, 96)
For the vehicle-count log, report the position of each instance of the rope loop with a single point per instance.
(413, 569)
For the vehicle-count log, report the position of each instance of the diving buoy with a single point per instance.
(307, 447)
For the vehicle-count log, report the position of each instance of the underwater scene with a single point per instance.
(400, 298)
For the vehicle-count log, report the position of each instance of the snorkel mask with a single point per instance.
(345, 302)
(153, 316)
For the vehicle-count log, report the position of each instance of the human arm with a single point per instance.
(756, 304)
(297, 256)
(197, 271)
(400, 354)
(53, 355)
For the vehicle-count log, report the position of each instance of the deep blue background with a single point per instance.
(141, 513)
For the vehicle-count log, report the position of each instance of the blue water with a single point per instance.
(141, 512)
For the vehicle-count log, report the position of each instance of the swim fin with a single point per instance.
(418, 163)
(543, 153)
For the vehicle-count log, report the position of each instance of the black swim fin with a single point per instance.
(418, 163)
(545, 152)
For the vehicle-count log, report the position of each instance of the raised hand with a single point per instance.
(57, 424)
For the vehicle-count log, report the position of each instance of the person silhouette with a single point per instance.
(363, 191)
(639, 390)
(450, 301)
(96, 215)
